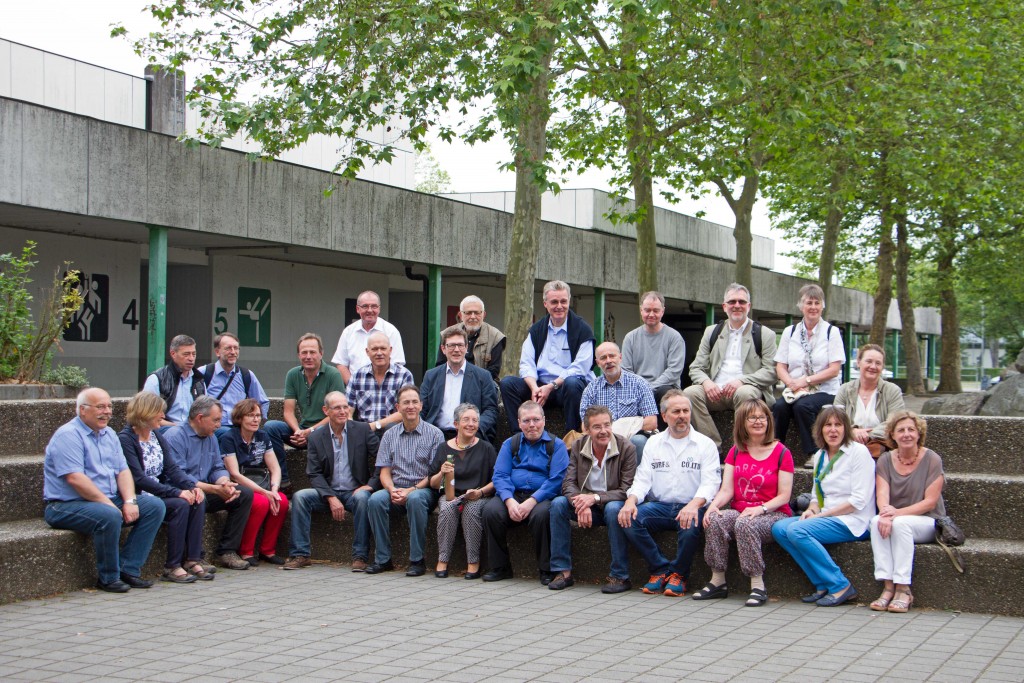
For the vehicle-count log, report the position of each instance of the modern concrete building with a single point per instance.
(173, 238)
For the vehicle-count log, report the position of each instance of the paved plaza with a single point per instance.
(326, 624)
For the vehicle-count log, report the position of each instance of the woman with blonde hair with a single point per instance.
(870, 400)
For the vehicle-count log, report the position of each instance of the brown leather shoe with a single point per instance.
(296, 562)
(358, 565)
(231, 560)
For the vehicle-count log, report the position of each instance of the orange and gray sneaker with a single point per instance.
(656, 584)
(676, 586)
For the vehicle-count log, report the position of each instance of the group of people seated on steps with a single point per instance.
(378, 446)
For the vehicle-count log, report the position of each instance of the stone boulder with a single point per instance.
(1006, 399)
(969, 403)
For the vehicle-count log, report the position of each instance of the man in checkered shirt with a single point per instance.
(623, 393)
(403, 460)
(373, 390)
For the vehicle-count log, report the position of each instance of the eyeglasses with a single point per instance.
(531, 420)
(455, 346)
(372, 307)
(757, 418)
(737, 302)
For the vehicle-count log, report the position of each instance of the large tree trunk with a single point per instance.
(915, 380)
(884, 264)
(744, 209)
(530, 150)
(833, 223)
(949, 358)
(646, 237)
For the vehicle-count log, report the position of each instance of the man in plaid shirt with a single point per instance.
(623, 393)
(373, 390)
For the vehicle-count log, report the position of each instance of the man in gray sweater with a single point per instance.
(654, 351)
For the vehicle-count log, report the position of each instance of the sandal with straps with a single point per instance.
(902, 605)
(712, 592)
(196, 569)
(882, 603)
(756, 598)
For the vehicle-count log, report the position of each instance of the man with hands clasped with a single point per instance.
(679, 474)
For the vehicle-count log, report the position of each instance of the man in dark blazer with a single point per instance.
(455, 382)
(341, 464)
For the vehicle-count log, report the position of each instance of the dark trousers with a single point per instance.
(238, 515)
(497, 523)
(184, 531)
(515, 391)
(805, 411)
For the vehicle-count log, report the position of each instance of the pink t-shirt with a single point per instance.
(755, 482)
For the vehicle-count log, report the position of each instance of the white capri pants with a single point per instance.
(894, 556)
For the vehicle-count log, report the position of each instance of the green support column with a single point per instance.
(709, 315)
(895, 353)
(433, 315)
(599, 315)
(156, 305)
(931, 355)
(848, 339)
(789, 319)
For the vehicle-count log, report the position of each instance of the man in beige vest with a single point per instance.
(731, 371)
(486, 342)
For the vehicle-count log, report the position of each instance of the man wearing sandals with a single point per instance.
(678, 475)
(196, 451)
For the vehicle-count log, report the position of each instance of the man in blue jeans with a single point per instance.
(680, 472)
(88, 488)
(600, 472)
(341, 466)
(404, 461)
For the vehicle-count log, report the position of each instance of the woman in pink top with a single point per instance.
(758, 480)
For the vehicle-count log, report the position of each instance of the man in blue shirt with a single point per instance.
(196, 451)
(88, 488)
(527, 476)
(229, 382)
(555, 360)
(179, 382)
(625, 395)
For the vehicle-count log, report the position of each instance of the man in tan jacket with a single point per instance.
(601, 467)
(731, 365)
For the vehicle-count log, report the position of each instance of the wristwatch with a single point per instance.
(764, 508)
(597, 498)
(132, 501)
(377, 425)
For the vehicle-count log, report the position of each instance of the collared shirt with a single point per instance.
(555, 362)
(628, 396)
(75, 447)
(197, 456)
(452, 395)
(351, 350)
(342, 479)
(532, 469)
(310, 396)
(250, 454)
(677, 470)
(732, 362)
(235, 391)
(374, 401)
(408, 452)
(183, 399)
(597, 480)
(850, 480)
(825, 349)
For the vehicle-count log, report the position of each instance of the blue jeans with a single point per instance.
(103, 523)
(562, 512)
(655, 516)
(308, 501)
(279, 432)
(639, 441)
(515, 390)
(805, 540)
(417, 506)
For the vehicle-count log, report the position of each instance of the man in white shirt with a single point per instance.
(680, 472)
(735, 363)
(351, 353)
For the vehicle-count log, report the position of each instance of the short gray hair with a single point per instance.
(556, 285)
(462, 408)
(83, 396)
(653, 295)
(181, 340)
(472, 299)
(202, 406)
(737, 287)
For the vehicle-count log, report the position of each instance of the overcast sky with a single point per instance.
(80, 29)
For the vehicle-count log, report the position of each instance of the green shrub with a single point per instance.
(66, 375)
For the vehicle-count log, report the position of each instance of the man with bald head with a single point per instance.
(624, 394)
(349, 356)
(88, 488)
(373, 390)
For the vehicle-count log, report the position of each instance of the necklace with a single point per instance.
(459, 445)
(906, 463)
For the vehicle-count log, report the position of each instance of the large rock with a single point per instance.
(1006, 399)
(969, 403)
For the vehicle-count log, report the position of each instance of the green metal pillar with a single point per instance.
(932, 351)
(848, 340)
(895, 353)
(789, 319)
(433, 315)
(156, 305)
(599, 315)
(709, 315)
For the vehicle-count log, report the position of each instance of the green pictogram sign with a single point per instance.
(253, 316)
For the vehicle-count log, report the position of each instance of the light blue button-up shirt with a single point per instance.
(235, 391)
(178, 414)
(75, 447)
(555, 361)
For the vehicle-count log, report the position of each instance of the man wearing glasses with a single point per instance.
(735, 362)
(485, 343)
(351, 352)
(88, 488)
(455, 382)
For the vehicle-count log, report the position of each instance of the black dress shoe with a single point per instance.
(115, 586)
(135, 581)
(498, 574)
(546, 577)
(441, 573)
(375, 568)
(469, 576)
(560, 582)
(416, 569)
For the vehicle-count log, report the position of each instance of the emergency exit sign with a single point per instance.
(253, 316)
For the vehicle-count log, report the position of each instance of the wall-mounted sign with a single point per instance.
(253, 316)
(92, 321)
